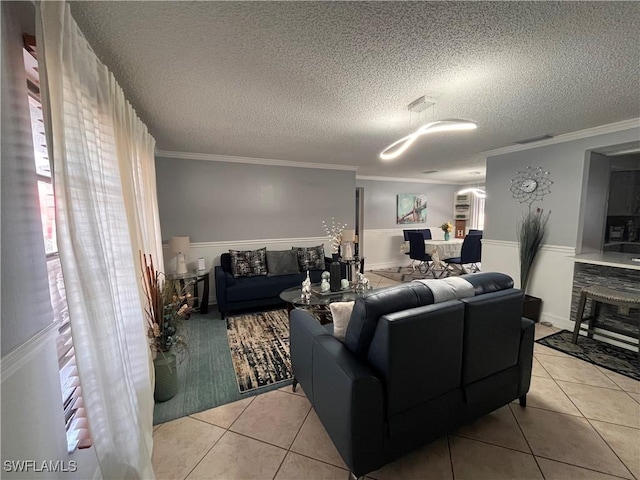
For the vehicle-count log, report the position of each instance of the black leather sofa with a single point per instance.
(235, 294)
(411, 370)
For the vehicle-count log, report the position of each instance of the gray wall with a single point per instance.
(566, 162)
(213, 201)
(380, 202)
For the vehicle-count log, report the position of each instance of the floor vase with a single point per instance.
(166, 376)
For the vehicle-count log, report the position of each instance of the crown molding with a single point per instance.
(568, 137)
(211, 157)
(406, 180)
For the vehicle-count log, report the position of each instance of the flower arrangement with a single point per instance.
(334, 234)
(532, 231)
(447, 227)
(167, 305)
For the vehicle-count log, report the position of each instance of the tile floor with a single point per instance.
(581, 422)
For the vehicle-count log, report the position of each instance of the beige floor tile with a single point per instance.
(635, 396)
(296, 467)
(543, 331)
(574, 370)
(625, 383)
(299, 391)
(224, 415)
(180, 444)
(274, 417)
(314, 441)
(553, 470)
(479, 461)
(625, 441)
(597, 403)
(568, 439)
(543, 350)
(545, 393)
(238, 457)
(431, 461)
(498, 428)
(538, 370)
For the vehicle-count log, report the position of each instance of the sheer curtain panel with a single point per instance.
(95, 243)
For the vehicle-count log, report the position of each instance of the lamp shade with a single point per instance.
(348, 235)
(179, 244)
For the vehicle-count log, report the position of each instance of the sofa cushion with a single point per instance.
(487, 282)
(282, 262)
(492, 326)
(248, 263)
(412, 345)
(310, 258)
(375, 303)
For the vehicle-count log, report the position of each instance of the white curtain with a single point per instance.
(90, 142)
(477, 213)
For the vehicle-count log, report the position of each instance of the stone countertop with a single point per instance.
(610, 259)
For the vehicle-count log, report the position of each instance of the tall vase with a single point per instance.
(166, 376)
(446, 236)
(336, 276)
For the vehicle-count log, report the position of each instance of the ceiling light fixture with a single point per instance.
(478, 192)
(398, 147)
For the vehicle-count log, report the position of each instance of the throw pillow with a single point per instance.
(282, 262)
(341, 313)
(248, 263)
(310, 258)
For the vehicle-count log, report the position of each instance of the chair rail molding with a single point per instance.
(25, 352)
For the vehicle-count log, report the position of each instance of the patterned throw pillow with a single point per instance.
(248, 263)
(310, 258)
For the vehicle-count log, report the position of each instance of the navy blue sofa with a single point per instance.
(234, 294)
(411, 370)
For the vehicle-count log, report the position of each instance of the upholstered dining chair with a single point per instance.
(426, 233)
(405, 233)
(470, 255)
(417, 252)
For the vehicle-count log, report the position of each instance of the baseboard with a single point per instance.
(379, 266)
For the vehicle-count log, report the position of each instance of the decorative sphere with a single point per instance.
(325, 275)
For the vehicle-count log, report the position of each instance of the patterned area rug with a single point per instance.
(406, 274)
(259, 344)
(611, 357)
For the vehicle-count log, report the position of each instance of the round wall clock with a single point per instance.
(530, 185)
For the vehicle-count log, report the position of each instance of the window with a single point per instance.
(78, 435)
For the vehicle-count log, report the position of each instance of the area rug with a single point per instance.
(206, 377)
(259, 344)
(611, 357)
(406, 274)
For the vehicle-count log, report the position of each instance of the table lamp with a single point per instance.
(348, 240)
(179, 246)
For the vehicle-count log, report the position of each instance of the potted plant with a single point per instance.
(167, 305)
(532, 231)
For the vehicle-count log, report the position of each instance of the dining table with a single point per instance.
(439, 249)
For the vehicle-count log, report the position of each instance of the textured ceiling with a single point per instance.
(329, 82)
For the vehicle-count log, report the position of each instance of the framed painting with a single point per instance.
(411, 208)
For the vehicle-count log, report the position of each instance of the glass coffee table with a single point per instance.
(318, 303)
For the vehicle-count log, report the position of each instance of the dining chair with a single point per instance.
(405, 233)
(426, 233)
(417, 252)
(474, 232)
(471, 254)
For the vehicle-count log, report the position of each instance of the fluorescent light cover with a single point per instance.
(451, 124)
